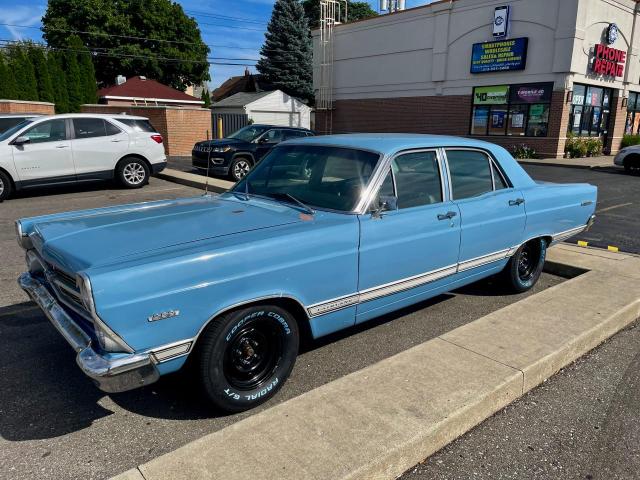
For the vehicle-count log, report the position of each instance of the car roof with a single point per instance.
(20, 115)
(116, 116)
(388, 143)
(278, 126)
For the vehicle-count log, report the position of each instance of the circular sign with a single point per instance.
(499, 20)
(612, 33)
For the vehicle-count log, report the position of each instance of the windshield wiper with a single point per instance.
(281, 195)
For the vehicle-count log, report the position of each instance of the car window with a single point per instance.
(89, 127)
(293, 134)
(386, 190)
(417, 177)
(8, 133)
(111, 129)
(272, 136)
(318, 175)
(7, 123)
(49, 131)
(138, 125)
(499, 181)
(470, 173)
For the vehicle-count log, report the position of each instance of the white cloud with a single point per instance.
(22, 15)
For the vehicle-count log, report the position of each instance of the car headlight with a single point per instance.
(23, 240)
(109, 341)
(222, 149)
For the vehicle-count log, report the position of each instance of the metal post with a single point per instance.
(220, 133)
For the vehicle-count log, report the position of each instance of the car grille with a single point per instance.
(65, 288)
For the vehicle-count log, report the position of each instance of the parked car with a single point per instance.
(63, 149)
(324, 233)
(235, 155)
(8, 120)
(629, 158)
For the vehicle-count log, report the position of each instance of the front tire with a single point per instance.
(525, 267)
(5, 186)
(239, 168)
(246, 356)
(132, 172)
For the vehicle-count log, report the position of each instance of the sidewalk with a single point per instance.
(379, 421)
(589, 162)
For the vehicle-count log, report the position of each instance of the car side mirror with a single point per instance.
(21, 140)
(263, 140)
(386, 203)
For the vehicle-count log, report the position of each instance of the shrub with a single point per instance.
(594, 146)
(629, 140)
(523, 151)
(577, 147)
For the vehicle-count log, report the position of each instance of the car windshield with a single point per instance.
(248, 133)
(14, 129)
(319, 176)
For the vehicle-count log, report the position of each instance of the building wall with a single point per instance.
(181, 128)
(19, 106)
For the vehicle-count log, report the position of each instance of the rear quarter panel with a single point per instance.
(555, 208)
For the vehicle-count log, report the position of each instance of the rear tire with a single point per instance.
(5, 186)
(525, 266)
(245, 356)
(132, 172)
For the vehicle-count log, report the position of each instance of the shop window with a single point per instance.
(513, 110)
(633, 114)
(589, 115)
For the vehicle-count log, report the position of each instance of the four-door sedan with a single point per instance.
(324, 233)
(63, 149)
(235, 155)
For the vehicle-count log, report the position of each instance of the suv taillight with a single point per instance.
(157, 138)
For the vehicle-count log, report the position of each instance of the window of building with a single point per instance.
(470, 173)
(632, 126)
(512, 110)
(589, 115)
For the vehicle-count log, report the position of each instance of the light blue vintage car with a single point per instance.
(324, 233)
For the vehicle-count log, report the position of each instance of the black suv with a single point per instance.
(235, 155)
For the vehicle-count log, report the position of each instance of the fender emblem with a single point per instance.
(162, 315)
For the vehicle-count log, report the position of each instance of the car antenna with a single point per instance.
(246, 189)
(206, 185)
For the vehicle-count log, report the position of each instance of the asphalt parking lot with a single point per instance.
(55, 424)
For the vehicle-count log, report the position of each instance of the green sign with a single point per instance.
(536, 110)
(495, 95)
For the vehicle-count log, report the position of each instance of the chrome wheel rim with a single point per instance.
(241, 168)
(526, 264)
(134, 173)
(1, 187)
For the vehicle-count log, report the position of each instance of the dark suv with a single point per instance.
(235, 155)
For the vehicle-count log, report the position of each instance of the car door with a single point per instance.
(97, 145)
(46, 157)
(407, 251)
(492, 212)
(267, 141)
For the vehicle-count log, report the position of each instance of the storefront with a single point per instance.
(549, 70)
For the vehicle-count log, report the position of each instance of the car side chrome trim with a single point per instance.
(558, 237)
(332, 305)
(483, 260)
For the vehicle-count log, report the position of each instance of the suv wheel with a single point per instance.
(239, 168)
(246, 356)
(132, 172)
(5, 186)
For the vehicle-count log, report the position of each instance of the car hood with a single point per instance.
(222, 142)
(91, 239)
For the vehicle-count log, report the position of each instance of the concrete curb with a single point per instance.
(193, 180)
(583, 166)
(382, 420)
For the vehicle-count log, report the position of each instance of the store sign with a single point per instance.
(501, 21)
(494, 95)
(500, 56)
(608, 61)
(531, 93)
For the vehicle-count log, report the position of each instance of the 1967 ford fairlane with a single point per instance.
(324, 233)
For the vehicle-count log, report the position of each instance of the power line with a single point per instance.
(226, 17)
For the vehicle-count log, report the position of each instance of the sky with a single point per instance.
(231, 39)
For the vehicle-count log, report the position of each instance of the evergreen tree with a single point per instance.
(356, 11)
(8, 88)
(287, 51)
(24, 73)
(88, 86)
(43, 79)
(55, 62)
(73, 79)
(206, 98)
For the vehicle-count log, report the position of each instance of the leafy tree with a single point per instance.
(55, 62)
(356, 11)
(287, 51)
(8, 88)
(206, 98)
(41, 68)
(24, 73)
(108, 21)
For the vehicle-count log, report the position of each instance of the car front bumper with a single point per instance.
(116, 373)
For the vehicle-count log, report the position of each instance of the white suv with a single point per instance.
(63, 149)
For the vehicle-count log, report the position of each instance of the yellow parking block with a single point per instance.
(613, 249)
(582, 243)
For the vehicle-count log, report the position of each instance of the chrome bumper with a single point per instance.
(110, 375)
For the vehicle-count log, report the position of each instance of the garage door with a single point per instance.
(285, 119)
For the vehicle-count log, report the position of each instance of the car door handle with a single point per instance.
(62, 146)
(116, 141)
(446, 216)
(516, 202)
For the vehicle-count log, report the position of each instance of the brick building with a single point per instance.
(142, 91)
(563, 66)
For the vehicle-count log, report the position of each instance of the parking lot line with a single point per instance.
(614, 207)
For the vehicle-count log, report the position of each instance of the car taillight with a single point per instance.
(157, 138)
